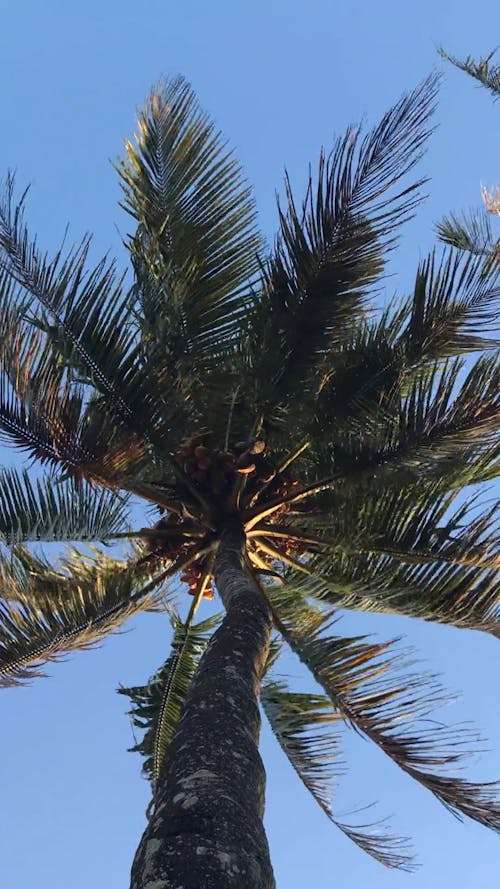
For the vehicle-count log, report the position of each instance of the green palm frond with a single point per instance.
(471, 232)
(196, 246)
(407, 551)
(49, 408)
(157, 706)
(411, 523)
(482, 70)
(453, 311)
(305, 727)
(45, 510)
(40, 410)
(330, 254)
(436, 425)
(447, 418)
(370, 366)
(455, 303)
(85, 316)
(370, 686)
(67, 609)
(33, 432)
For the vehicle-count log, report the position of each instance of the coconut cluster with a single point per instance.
(165, 547)
(192, 576)
(209, 467)
(216, 471)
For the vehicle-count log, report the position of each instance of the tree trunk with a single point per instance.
(206, 830)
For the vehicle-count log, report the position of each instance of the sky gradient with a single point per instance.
(280, 78)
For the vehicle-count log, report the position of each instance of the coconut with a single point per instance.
(226, 457)
(257, 447)
(201, 451)
(246, 470)
(204, 462)
(197, 440)
(199, 475)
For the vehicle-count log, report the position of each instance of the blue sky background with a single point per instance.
(280, 78)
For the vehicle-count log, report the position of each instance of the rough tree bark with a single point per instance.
(206, 831)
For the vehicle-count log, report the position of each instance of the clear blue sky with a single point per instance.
(280, 77)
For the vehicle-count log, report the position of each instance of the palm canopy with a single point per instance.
(225, 378)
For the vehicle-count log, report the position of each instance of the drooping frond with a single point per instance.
(49, 510)
(331, 253)
(157, 706)
(305, 726)
(196, 246)
(372, 689)
(482, 70)
(66, 609)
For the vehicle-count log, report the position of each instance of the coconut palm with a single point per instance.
(298, 447)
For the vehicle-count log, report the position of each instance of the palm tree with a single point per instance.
(301, 449)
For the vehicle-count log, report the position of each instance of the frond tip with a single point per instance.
(371, 688)
(307, 729)
(481, 70)
(330, 253)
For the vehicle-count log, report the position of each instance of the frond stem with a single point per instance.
(181, 534)
(280, 468)
(417, 557)
(179, 565)
(299, 566)
(252, 516)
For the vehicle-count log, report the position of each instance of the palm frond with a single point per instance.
(409, 551)
(436, 425)
(196, 245)
(157, 706)
(40, 411)
(330, 254)
(453, 311)
(48, 406)
(471, 233)
(441, 415)
(368, 367)
(45, 510)
(371, 687)
(481, 70)
(67, 609)
(455, 303)
(305, 727)
(85, 316)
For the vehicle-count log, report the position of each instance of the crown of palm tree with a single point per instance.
(232, 379)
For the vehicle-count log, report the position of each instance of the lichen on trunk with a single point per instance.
(206, 829)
